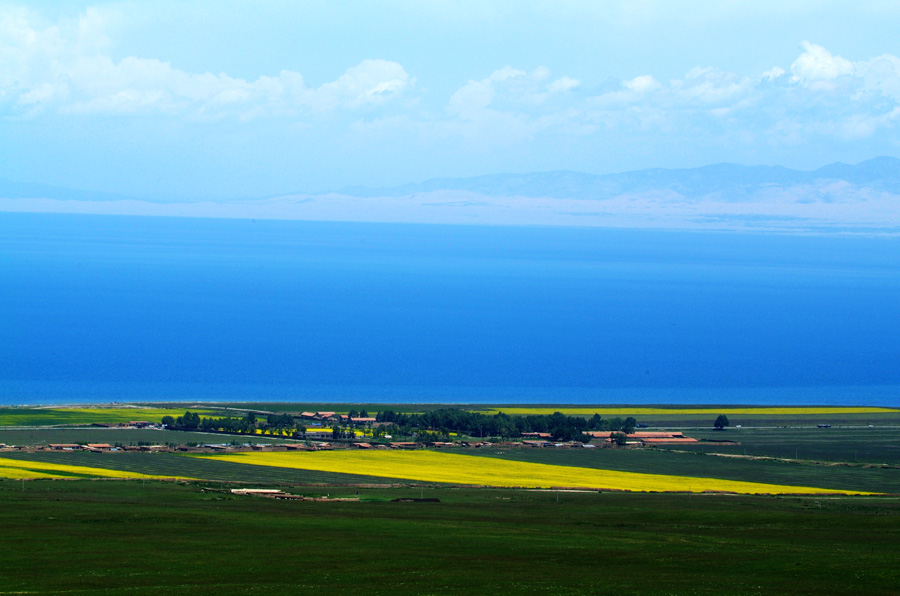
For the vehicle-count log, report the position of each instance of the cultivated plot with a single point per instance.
(450, 468)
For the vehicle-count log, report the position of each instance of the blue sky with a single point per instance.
(233, 99)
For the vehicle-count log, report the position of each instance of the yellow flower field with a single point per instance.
(644, 411)
(449, 468)
(15, 468)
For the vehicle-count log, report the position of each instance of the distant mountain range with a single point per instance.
(729, 181)
(861, 198)
(29, 190)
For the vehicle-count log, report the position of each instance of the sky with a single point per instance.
(224, 99)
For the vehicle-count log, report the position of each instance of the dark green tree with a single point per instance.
(721, 422)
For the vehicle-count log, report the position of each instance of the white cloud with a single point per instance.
(471, 98)
(816, 65)
(881, 75)
(511, 105)
(370, 82)
(507, 86)
(642, 84)
(563, 84)
(710, 85)
(508, 72)
(67, 68)
(773, 73)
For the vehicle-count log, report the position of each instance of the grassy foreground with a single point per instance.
(124, 537)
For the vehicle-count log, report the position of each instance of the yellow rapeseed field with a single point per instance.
(450, 468)
(644, 411)
(15, 468)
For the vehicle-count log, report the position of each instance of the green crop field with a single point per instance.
(238, 408)
(195, 467)
(695, 464)
(125, 436)
(705, 421)
(654, 461)
(878, 445)
(86, 415)
(80, 537)
(137, 536)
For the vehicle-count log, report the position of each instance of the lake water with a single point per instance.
(104, 308)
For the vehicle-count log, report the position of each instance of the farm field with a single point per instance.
(82, 537)
(751, 420)
(125, 436)
(665, 416)
(876, 445)
(654, 461)
(842, 458)
(170, 464)
(686, 410)
(23, 468)
(695, 464)
(237, 408)
(80, 415)
(453, 468)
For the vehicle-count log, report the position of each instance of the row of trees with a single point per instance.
(477, 424)
(249, 423)
(432, 425)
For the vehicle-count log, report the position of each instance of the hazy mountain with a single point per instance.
(731, 181)
(861, 198)
(10, 189)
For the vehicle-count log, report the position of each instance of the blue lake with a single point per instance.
(104, 308)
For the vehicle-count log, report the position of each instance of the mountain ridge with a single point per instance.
(879, 173)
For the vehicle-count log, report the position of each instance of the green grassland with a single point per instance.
(172, 464)
(80, 537)
(85, 415)
(85, 537)
(877, 444)
(237, 408)
(695, 464)
(125, 436)
(696, 412)
(888, 418)
(857, 477)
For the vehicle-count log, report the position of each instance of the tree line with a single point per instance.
(432, 425)
(478, 424)
(249, 423)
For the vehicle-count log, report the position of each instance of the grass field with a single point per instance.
(238, 408)
(82, 538)
(694, 464)
(18, 469)
(452, 468)
(75, 416)
(876, 445)
(125, 436)
(640, 411)
(655, 461)
(170, 464)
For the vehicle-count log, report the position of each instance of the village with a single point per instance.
(319, 436)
